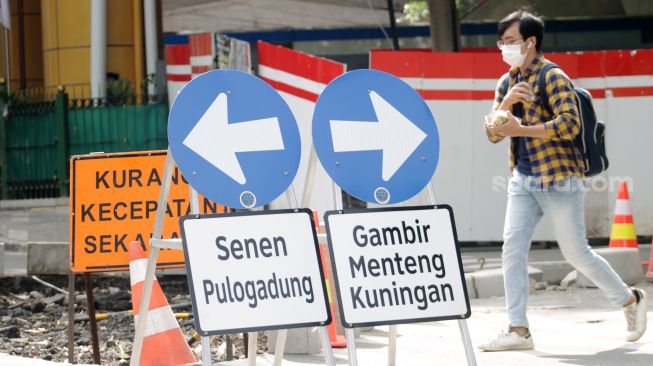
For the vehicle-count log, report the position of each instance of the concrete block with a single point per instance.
(471, 287)
(553, 272)
(47, 258)
(489, 282)
(299, 340)
(2, 258)
(625, 261)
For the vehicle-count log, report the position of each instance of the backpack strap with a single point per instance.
(505, 83)
(544, 98)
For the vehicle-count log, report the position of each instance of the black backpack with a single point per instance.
(591, 138)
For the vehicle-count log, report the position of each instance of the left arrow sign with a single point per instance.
(217, 141)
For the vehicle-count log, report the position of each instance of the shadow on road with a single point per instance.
(617, 356)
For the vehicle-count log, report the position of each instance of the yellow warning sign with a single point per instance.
(113, 201)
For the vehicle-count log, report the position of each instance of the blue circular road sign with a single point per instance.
(375, 136)
(234, 138)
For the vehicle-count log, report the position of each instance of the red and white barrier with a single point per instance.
(472, 174)
(202, 52)
(178, 69)
(300, 78)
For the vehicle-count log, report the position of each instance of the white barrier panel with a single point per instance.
(397, 265)
(472, 173)
(186, 57)
(269, 279)
(300, 78)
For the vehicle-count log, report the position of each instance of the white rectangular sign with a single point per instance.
(252, 271)
(397, 265)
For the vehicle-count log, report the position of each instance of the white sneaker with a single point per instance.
(636, 316)
(507, 341)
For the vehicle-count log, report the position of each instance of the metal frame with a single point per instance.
(152, 258)
(157, 243)
(462, 323)
(392, 333)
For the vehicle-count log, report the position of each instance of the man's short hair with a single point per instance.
(530, 25)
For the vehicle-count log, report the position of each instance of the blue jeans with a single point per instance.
(563, 203)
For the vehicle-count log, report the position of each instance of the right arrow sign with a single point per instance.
(383, 152)
(392, 126)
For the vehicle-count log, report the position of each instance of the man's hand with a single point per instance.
(520, 92)
(512, 128)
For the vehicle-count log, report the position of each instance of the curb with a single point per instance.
(15, 246)
(34, 203)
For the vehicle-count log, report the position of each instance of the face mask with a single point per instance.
(512, 55)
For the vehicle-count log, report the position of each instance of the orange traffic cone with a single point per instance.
(649, 274)
(163, 342)
(623, 230)
(337, 341)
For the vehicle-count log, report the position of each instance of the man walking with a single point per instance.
(547, 180)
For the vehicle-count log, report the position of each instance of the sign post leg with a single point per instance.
(392, 345)
(328, 351)
(152, 258)
(90, 299)
(252, 348)
(206, 340)
(230, 352)
(280, 347)
(206, 350)
(71, 316)
(462, 323)
(351, 346)
(469, 349)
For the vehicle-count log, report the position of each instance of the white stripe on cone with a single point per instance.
(137, 270)
(622, 207)
(159, 320)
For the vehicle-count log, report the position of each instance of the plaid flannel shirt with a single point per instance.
(557, 157)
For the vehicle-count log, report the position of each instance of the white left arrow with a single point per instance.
(394, 134)
(217, 141)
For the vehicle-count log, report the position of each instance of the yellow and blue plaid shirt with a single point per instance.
(554, 158)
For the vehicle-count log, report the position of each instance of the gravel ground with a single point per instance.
(34, 320)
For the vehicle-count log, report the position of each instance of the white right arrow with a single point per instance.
(216, 140)
(394, 134)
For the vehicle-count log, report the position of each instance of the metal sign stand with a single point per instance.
(282, 334)
(95, 345)
(349, 332)
(462, 323)
(392, 333)
(157, 243)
